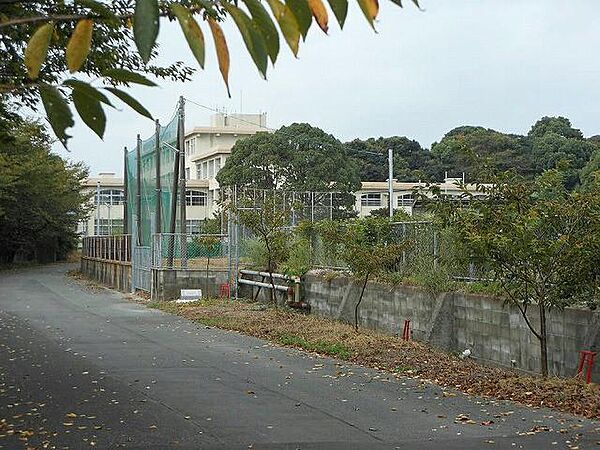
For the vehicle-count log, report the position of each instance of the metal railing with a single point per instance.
(110, 248)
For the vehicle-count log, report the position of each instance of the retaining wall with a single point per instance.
(116, 274)
(494, 332)
(169, 282)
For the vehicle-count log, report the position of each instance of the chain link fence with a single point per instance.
(185, 251)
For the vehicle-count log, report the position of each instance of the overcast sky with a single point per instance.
(498, 64)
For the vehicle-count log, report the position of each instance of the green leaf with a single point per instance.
(191, 31)
(130, 101)
(340, 10)
(263, 21)
(90, 110)
(58, 113)
(126, 76)
(145, 26)
(252, 37)
(37, 49)
(399, 3)
(287, 23)
(302, 13)
(79, 44)
(98, 8)
(88, 89)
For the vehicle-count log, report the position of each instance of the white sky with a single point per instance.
(498, 64)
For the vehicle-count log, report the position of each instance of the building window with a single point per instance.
(217, 165)
(405, 200)
(109, 197)
(82, 228)
(211, 168)
(199, 171)
(187, 173)
(193, 226)
(190, 146)
(371, 199)
(108, 227)
(204, 170)
(195, 198)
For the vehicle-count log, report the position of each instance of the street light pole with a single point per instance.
(391, 181)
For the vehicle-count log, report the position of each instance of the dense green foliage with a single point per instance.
(298, 157)
(40, 194)
(482, 153)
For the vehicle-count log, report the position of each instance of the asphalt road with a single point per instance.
(81, 368)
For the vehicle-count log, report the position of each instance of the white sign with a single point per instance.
(189, 295)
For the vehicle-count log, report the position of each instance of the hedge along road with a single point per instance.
(85, 368)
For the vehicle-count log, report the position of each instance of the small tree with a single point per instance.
(266, 219)
(368, 246)
(209, 242)
(542, 243)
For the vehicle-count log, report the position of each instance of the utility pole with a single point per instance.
(182, 193)
(391, 181)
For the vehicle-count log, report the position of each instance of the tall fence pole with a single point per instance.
(138, 194)
(237, 244)
(125, 193)
(391, 181)
(229, 243)
(158, 214)
(97, 227)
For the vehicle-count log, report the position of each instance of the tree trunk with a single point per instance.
(358, 303)
(543, 341)
(270, 269)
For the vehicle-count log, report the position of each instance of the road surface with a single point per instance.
(85, 368)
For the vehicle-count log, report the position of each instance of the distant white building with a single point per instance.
(207, 148)
(375, 194)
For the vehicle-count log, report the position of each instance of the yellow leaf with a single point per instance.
(370, 9)
(79, 44)
(37, 49)
(222, 50)
(319, 13)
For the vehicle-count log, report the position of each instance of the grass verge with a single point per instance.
(389, 353)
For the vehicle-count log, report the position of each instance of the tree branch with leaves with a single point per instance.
(45, 43)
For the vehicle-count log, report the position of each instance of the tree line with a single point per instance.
(304, 157)
(41, 201)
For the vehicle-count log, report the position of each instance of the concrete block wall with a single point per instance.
(168, 283)
(115, 274)
(495, 332)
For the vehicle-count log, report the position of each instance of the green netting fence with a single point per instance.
(167, 140)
